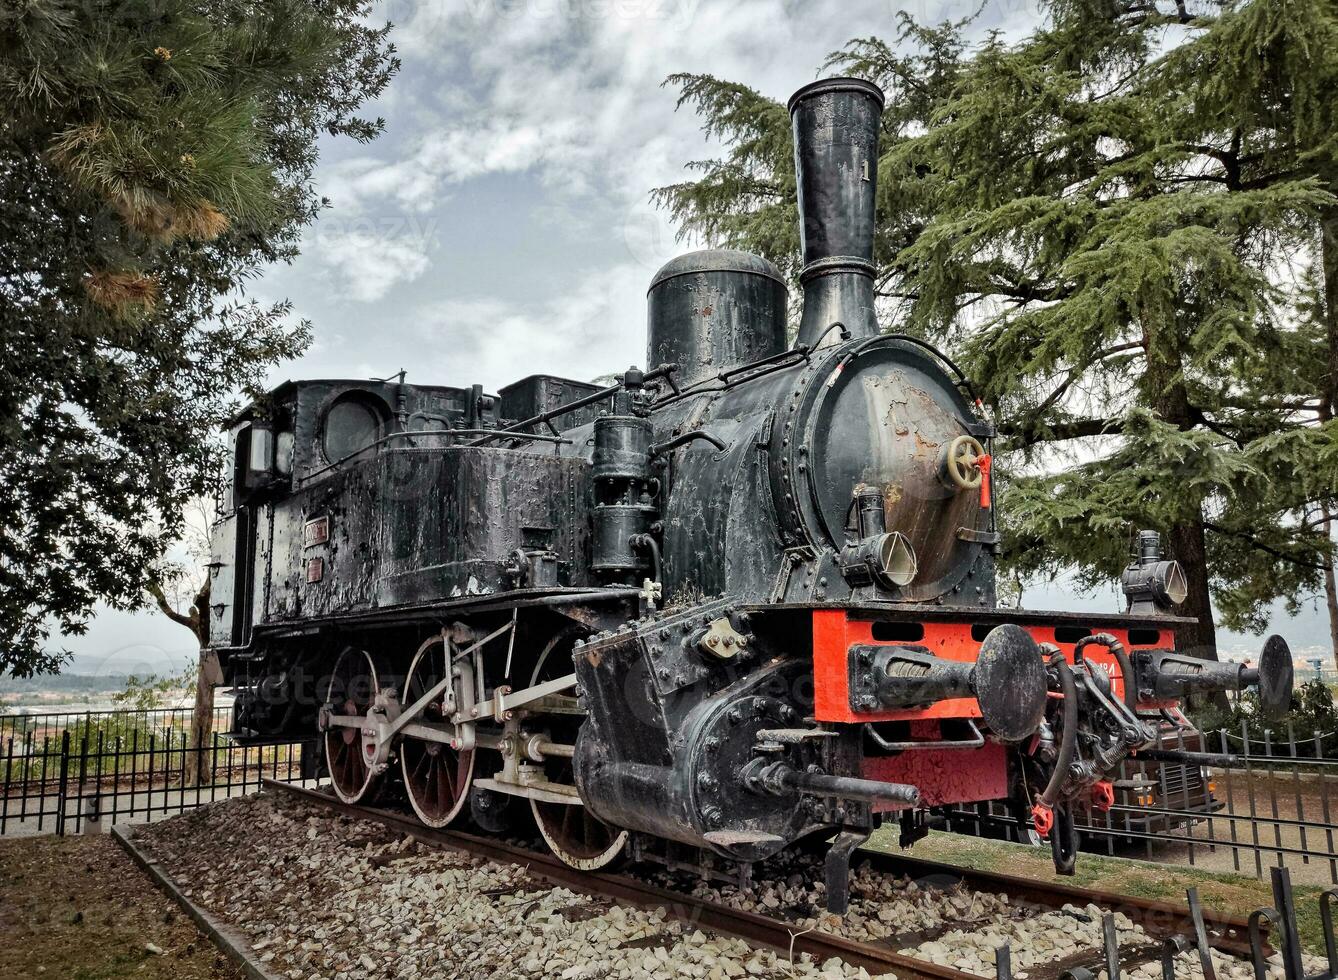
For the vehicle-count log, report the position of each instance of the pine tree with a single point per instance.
(1116, 223)
(155, 155)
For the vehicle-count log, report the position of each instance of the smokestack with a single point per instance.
(836, 168)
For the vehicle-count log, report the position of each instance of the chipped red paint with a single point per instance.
(945, 775)
(1103, 795)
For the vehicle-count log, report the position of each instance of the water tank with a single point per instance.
(714, 309)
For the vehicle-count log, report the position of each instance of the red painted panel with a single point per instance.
(834, 633)
(945, 775)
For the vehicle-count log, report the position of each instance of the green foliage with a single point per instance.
(1312, 712)
(1123, 226)
(153, 690)
(155, 155)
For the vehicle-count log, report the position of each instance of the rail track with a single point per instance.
(1177, 928)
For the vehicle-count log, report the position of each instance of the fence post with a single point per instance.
(63, 787)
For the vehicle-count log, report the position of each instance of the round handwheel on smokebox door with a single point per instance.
(436, 776)
(575, 836)
(354, 684)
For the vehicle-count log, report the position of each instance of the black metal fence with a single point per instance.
(70, 772)
(1268, 798)
(51, 723)
(1249, 800)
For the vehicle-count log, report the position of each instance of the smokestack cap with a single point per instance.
(824, 86)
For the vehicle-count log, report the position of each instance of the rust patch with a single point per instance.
(891, 419)
(707, 310)
(665, 939)
(593, 658)
(925, 448)
(583, 912)
(892, 494)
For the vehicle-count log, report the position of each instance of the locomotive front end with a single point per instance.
(830, 652)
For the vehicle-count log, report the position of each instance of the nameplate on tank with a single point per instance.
(316, 532)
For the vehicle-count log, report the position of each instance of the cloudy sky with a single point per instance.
(501, 226)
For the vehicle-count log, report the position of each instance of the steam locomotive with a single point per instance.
(738, 600)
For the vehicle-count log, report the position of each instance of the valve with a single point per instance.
(984, 461)
(1103, 796)
(959, 464)
(1043, 819)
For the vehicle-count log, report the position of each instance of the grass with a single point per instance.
(1226, 893)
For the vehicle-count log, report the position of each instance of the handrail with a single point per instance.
(663, 371)
(405, 434)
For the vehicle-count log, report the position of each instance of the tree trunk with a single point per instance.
(1187, 546)
(1185, 539)
(1329, 405)
(1331, 590)
(207, 675)
(199, 762)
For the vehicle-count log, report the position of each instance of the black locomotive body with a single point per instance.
(741, 598)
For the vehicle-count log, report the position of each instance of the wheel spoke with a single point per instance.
(437, 778)
(353, 686)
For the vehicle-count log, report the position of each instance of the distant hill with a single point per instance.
(63, 683)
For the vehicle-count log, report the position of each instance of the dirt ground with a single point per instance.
(77, 908)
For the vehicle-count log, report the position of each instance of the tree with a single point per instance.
(1113, 223)
(155, 155)
(180, 589)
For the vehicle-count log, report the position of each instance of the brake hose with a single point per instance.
(1069, 743)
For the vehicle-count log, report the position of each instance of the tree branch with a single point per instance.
(1031, 433)
(1260, 546)
(156, 591)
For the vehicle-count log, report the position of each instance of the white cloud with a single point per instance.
(365, 266)
(595, 328)
(571, 89)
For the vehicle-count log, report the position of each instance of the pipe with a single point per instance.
(432, 433)
(663, 371)
(1218, 759)
(684, 439)
(1069, 745)
(650, 544)
(836, 124)
(1121, 656)
(847, 787)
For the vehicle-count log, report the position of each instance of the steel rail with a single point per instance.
(1228, 933)
(757, 929)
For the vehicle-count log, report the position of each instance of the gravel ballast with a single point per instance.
(324, 896)
(327, 897)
